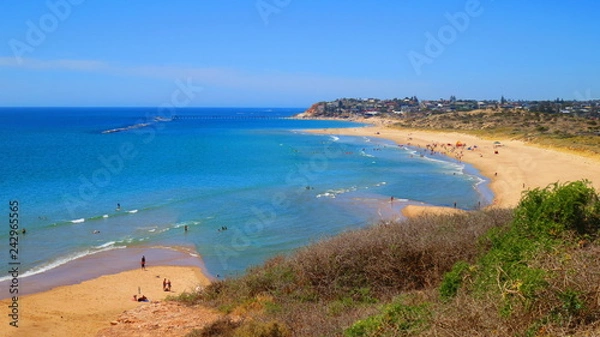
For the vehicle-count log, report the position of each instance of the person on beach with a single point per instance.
(168, 285)
(143, 263)
(142, 298)
(165, 284)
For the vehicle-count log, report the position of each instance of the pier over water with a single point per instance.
(227, 117)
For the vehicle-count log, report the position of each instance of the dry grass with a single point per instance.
(393, 257)
(327, 286)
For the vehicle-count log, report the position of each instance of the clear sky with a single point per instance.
(291, 53)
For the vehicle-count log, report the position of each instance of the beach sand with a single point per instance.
(83, 309)
(516, 167)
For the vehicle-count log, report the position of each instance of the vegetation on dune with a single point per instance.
(531, 271)
(566, 131)
(542, 271)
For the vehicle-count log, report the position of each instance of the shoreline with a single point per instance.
(511, 167)
(85, 308)
(105, 263)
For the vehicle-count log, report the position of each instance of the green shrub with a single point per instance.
(185, 297)
(396, 319)
(223, 327)
(550, 211)
(258, 329)
(572, 303)
(453, 280)
(543, 220)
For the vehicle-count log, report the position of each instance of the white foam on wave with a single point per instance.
(186, 223)
(64, 260)
(364, 154)
(106, 245)
(78, 220)
(105, 216)
(446, 161)
(478, 180)
(333, 193)
(132, 211)
(334, 138)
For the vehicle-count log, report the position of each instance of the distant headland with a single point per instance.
(351, 108)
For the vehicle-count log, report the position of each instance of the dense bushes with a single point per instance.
(376, 262)
(338, 280)
(541, 271)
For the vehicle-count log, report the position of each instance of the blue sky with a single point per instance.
(291, 53)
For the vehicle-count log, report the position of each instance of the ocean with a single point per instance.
(246, 183)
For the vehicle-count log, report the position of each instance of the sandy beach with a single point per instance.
(512, 167)
(85, 308)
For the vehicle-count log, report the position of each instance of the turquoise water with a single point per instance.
(247, 184)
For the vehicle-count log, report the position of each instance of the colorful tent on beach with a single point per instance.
(497, 144)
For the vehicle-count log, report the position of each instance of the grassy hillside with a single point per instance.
(558, 130)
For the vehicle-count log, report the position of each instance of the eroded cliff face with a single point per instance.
(311, 112)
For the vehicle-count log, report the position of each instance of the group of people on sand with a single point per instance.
(166, 285)
(143, 298)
